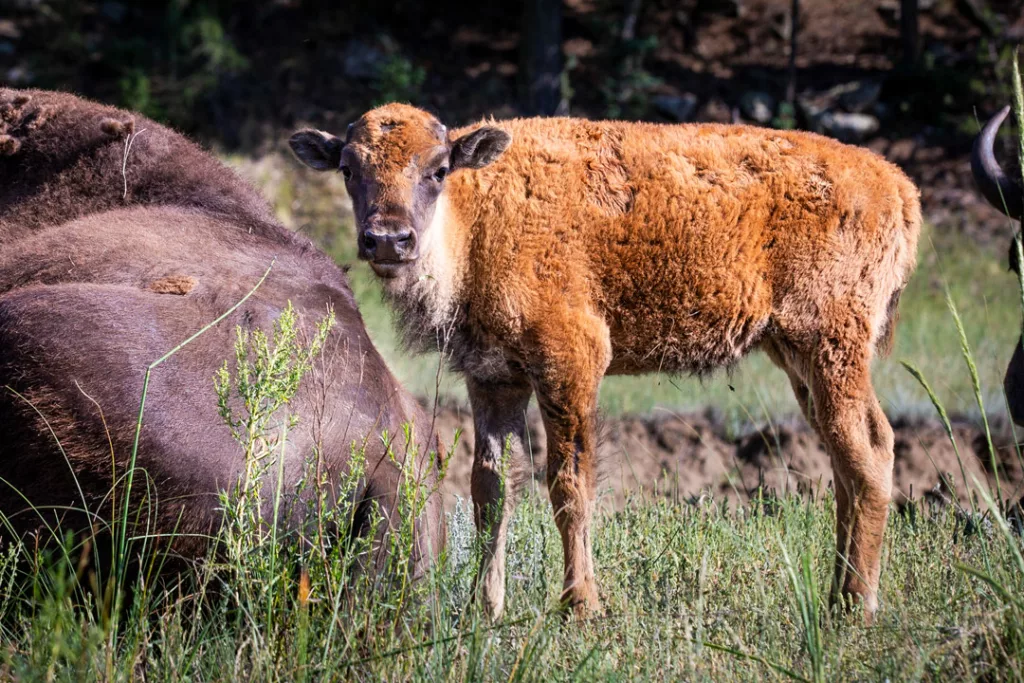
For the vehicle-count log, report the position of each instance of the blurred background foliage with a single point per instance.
(232, 70)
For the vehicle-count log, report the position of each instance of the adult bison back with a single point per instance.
(97, 282)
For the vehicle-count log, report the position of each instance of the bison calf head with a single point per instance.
(395, 160)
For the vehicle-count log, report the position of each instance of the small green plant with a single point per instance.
(807, 601)
(335, 561)
(627, 93)
(268, 370)
(136, 93)
(210, 53)
(785, 119)
(398, 80)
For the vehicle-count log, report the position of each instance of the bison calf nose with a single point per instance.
(384, 246)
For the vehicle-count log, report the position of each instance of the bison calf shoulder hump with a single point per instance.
(543, 254)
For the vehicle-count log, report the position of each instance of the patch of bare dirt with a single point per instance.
(687, 456)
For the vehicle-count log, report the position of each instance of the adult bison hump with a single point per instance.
(119, 239)
(62, 157)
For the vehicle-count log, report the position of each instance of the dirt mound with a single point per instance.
(687, 456)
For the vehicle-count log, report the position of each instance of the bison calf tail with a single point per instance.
(886, 335)
(909, 229)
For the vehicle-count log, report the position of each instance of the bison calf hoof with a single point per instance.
(851, 604)
(494, 607)
(489, 592)
(580, 604)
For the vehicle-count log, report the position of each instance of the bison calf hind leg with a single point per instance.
(832, 383)
(499, 423)
(859, 441)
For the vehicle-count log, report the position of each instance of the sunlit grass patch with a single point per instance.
(691, 592)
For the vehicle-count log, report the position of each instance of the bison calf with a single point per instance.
(544, 254)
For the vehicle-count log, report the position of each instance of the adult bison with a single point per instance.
(1005, 193)
(543, 254)
(119, 239)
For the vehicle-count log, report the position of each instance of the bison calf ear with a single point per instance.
(317, 149)
(479, 148)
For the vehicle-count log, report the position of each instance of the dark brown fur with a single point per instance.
(96, 283)
(1004, 191)
(68, 159)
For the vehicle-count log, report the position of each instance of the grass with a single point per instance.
(755, 391)
(691, 592)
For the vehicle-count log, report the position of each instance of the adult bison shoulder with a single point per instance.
(1005, 193)
(119, 239)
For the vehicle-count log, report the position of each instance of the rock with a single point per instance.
(362, 61)
(678, 107)
(114, 11)
(758, 106)
(812, 108)
(861, 97)
(19, 76)
(855, 97)
(715, 109)
(848, 127)
(8, 29)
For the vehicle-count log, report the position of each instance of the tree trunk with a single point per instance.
(794, 29)
(908, 31)
(541, 45)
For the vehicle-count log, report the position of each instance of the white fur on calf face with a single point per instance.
(425, 293)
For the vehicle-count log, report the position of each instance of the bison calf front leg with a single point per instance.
(567, 393)
(499, 421)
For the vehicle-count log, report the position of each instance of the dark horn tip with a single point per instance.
(1001, 191)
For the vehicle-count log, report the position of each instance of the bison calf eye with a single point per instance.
(440, 173)
(346, 172)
